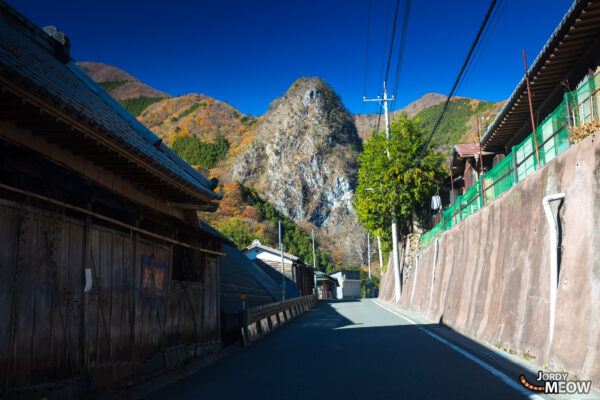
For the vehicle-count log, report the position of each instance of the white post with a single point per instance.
(282, 267)
(380, 255)
(387, 121)
(396, 258)
(553, 260)
(369, 262)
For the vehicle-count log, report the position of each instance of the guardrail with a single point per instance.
(259, 321)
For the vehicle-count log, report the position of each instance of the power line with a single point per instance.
(400, 57)
(494, 19)
(458, 78)
(387, 28)
(366, 68)
(367, 50)
(387, 70)
(401, 52)
(389, 54)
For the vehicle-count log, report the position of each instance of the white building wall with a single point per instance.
(351, 289)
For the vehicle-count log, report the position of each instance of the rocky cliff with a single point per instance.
(303, 160)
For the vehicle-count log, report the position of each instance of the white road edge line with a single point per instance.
(503, 377)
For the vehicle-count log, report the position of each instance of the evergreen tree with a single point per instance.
(381, 179)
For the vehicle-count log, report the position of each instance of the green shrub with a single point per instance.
(137, 105)
(197, 152)
(454, 123)
(241, 234)
(111, 85)
(188, 111)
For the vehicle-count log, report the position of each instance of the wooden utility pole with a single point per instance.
(481, 161)
(537, 153)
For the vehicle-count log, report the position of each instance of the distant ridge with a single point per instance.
(118, 83)
(366, 124)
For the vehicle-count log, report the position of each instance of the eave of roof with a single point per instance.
(578, 29)
(270, 250)
(29, 67)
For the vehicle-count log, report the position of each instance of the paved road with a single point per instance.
(343, 350)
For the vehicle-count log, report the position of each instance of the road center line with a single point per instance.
(503, 377)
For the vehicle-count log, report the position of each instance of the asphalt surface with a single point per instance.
(344, 350)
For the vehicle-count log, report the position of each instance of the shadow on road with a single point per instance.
(351, 349)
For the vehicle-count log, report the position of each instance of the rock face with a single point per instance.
(303, 160)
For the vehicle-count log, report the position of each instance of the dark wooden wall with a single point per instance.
(52, 330)
(304, 280)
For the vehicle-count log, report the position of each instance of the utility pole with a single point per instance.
(369, 261)
(380, 255)
(312, 233)
(481, 162)
(395, 254)
(282, 267)
(537, 153)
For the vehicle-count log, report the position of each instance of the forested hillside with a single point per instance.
(457, 124)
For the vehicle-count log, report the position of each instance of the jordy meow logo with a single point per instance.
(556, 383)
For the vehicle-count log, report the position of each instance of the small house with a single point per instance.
(326, 285)
(349, 284)
(299, 277)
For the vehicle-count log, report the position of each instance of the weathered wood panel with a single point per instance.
(134, 309)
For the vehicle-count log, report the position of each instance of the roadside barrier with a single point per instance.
(259, 321)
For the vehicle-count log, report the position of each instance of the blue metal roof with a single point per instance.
(27, 56)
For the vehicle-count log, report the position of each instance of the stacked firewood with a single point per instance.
(578, 133)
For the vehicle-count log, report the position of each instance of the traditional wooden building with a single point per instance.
(466, 165)
(108, 275)
(326, 285)
(299, 276)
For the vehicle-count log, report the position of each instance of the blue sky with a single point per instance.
(249, 52)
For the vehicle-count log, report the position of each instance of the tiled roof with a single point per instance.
(28, 58)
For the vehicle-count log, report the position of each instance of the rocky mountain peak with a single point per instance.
(303, 159)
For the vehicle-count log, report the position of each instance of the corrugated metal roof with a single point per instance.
(578, 29)
(237, 276)
(257, 245)
(290, 287)
(466, 149)
(27, 57)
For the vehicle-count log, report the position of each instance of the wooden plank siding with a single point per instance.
(53, 330)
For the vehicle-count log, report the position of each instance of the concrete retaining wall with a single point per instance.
(488, 277)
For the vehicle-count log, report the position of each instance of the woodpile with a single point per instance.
(578, 133)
